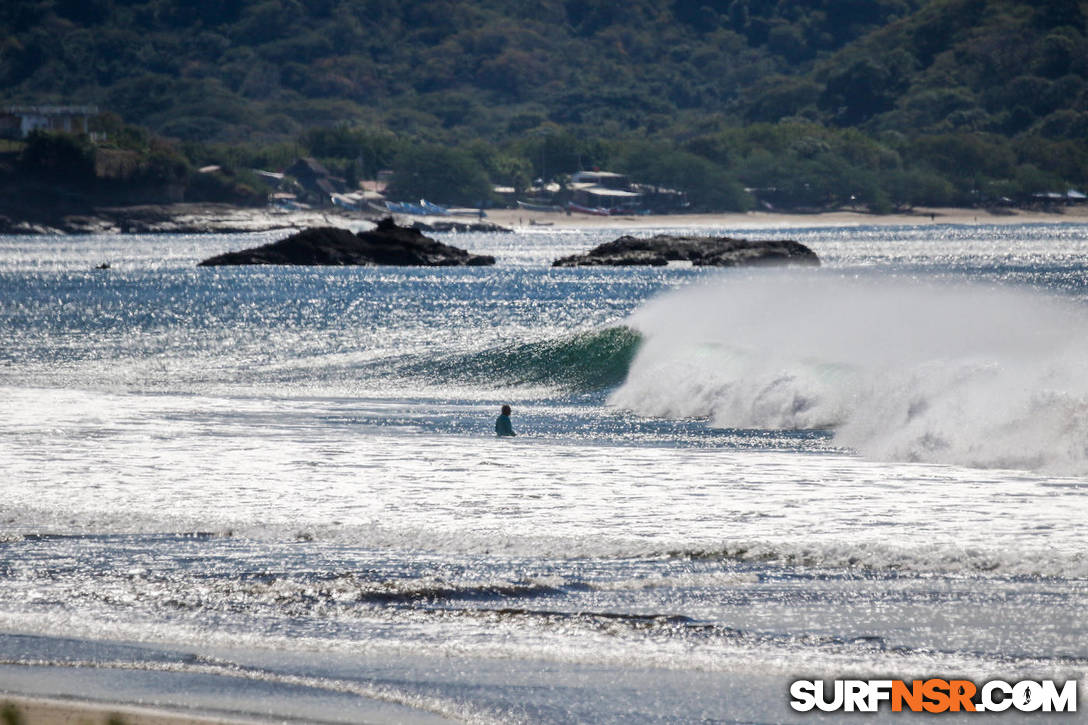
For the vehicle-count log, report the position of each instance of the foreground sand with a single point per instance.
(42, 711)
(520, 219)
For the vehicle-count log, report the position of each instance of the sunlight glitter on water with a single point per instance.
(94, 463)
(295, 471)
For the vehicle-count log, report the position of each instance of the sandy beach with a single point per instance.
(520, 218)
(45, 711)
(205, 218)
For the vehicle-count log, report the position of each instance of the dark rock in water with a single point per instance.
(388, 244)
(700, 251)
(449, 225)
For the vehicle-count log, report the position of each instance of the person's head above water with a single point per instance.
(506, 410)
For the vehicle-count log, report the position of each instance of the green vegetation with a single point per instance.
(438, 172)
(872, 103)
(58, 157)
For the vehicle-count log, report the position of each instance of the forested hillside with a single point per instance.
(222, 69)
(1003, 67)
(881, 102)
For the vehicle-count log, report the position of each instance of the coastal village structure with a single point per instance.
(597, 192)
(603, 190)
(18, 122)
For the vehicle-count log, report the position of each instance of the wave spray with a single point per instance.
(974, 375)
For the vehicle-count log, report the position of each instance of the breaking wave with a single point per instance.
(974, 375)
(578, 362)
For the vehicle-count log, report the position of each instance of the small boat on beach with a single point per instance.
(594, 210)
(530, 206)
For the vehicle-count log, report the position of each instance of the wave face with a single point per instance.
(578, 362)
(973, 375)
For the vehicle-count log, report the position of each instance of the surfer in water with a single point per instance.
(502, 423)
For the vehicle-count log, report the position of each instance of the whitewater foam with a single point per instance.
(984, 376)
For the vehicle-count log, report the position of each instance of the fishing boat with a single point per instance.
(594, 210)
(530, 206)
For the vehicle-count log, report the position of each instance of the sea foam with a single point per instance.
(984, 376)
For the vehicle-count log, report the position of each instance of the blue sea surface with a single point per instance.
(276, 492)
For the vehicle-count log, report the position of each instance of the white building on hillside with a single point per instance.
(20, 121)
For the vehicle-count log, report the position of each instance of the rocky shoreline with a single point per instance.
(182, 218)
(194, 218)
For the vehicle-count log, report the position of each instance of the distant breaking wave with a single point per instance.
(579, 362)
(964, 374)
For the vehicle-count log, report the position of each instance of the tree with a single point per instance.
(708, 186)
(439, 174)
(165, 167)
(865, 88)
(373, 149)
(61, 157)
(917, 187)
(1055, 13)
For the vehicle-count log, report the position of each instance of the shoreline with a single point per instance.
(520, 219)
(187, 218)
(32, 710)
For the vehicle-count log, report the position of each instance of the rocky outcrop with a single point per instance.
(388, 244)
(185, 218)
(700, 251)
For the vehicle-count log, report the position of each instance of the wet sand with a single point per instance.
(46, 711)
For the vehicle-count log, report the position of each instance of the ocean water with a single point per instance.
(277, 492)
